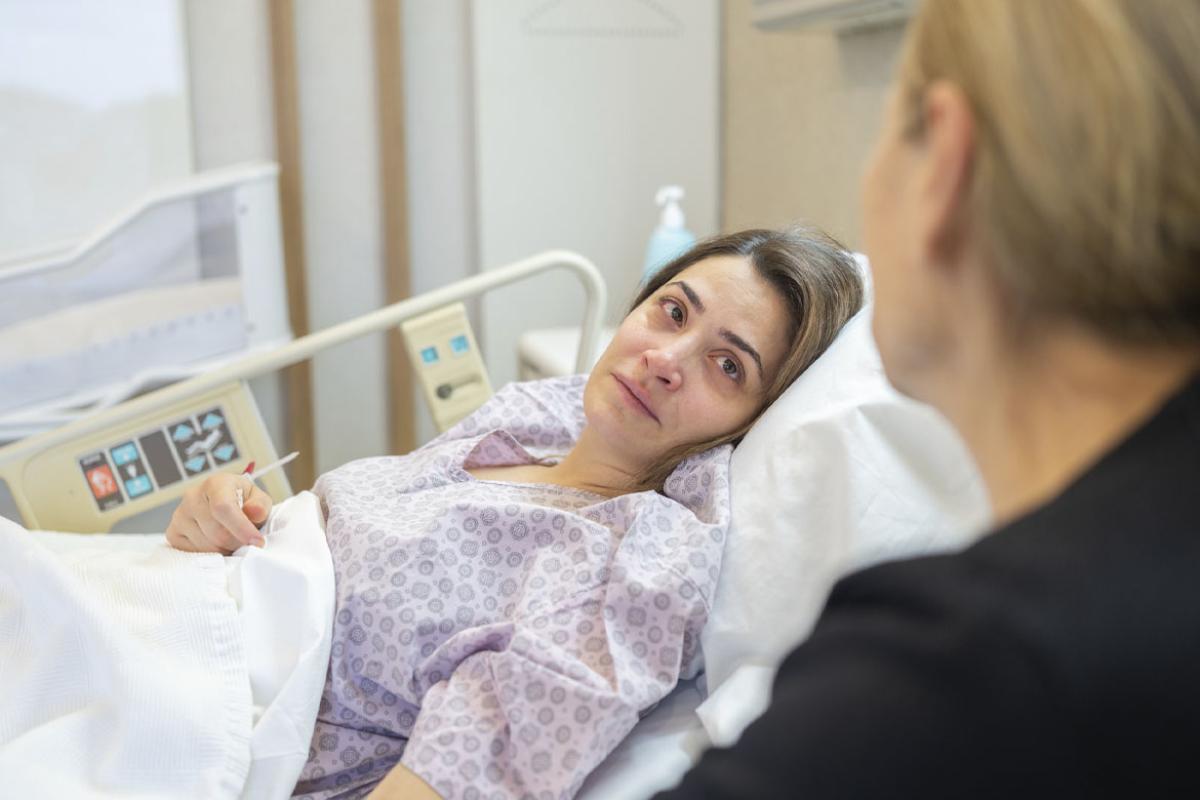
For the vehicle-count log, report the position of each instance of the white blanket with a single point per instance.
(131, 669)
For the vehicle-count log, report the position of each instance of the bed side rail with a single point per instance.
(54, 478)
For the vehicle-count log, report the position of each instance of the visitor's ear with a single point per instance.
(948, 149)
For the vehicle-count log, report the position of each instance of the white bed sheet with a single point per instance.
(209, 670)
(664, 745)
(285, 658)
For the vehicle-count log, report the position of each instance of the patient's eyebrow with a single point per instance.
(744, 346)
(692, 297)
(726, 334)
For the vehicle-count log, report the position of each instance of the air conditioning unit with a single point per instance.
(830, 14)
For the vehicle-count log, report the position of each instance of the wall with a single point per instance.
(229, 43)
(93, 114)
(439, 147)
(343, 234)
(801, 111)
(229, 71)
(583, 109)
(561, 146)
(229, 46)
(229, 75)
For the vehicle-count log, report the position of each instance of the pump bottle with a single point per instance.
(670, 238)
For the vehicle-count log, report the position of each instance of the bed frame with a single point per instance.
(52, 479)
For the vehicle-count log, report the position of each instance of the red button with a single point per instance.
(101, 480)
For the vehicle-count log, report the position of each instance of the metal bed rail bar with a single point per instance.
(307, 346)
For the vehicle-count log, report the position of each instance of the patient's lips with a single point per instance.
(635, 396)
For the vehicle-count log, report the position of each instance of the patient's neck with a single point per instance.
(596, 467)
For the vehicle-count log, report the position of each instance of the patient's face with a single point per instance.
(691, 363)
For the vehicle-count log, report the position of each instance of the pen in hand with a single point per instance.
(250, 472)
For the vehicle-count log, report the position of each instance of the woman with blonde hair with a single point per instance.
(1032, 213)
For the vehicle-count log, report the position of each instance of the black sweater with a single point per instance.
(1059, 656)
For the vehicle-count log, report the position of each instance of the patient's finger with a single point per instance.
(226, 512)
(257, 504)
(217, 535)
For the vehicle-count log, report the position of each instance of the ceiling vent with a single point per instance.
(838, 15)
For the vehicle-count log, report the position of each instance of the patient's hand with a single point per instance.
(208, 519)
(403, 784)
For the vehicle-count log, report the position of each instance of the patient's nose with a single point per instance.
(663, 365)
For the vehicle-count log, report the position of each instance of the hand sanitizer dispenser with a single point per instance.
(670, 238)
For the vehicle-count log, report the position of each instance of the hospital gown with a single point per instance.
(500, 639)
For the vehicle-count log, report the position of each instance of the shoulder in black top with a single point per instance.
(1059, 656)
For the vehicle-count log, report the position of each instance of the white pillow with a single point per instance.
(840, 473)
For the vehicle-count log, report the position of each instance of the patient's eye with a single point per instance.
(730, 367)
(674, 311)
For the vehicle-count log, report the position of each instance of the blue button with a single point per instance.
(459, 345)
(124, 453)
(224, 452)
(429, 355)
(211, 421)
(136, 487)
(195, 465)
(182, 432)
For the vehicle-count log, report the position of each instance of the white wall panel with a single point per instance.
(583, 109)
(439, 135)
(343, 236)
(229, 75)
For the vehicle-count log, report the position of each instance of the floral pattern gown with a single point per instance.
(500, 639)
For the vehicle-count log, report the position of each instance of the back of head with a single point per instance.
(1086, 179)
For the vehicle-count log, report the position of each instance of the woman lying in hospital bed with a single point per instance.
(510, 597)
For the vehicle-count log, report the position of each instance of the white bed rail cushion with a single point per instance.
(129, 669)
(840, 473)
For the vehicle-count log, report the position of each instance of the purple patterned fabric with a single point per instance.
(500, 639)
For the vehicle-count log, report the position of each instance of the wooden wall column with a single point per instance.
(393, 185)
(298, 378)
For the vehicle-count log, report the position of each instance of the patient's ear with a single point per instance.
(948, 142)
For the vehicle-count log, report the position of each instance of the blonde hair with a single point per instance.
(820, 285)
(1086, 177)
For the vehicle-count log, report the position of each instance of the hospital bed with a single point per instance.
(903, 483)
(140, 450)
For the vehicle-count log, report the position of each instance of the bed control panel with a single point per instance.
(118, 472)
(154, 460)
(446, 359)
